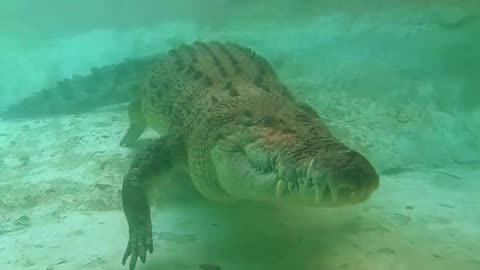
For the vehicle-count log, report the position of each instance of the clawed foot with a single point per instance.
(139, 242)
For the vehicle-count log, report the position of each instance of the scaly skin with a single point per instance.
(107, 85)
(231, 124)
(241, 136)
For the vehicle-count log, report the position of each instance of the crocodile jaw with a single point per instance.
(255, 176)
(240, 179)
(243, 179)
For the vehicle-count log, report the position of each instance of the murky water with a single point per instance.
(396, 82)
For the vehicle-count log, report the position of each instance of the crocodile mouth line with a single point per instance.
(319, 194)
(316, 190)
(304, 185)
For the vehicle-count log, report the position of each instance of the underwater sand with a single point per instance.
(60, 209)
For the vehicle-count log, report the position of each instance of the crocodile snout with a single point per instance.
(327, 180)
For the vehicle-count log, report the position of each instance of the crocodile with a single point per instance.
(233, 125)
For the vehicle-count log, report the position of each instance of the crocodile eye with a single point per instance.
(267, 121)
(246, 118)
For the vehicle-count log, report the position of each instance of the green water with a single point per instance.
(396, 81)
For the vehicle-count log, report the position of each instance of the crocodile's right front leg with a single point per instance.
(158, 156)
(137, 124)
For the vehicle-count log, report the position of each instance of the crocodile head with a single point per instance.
(278, 150)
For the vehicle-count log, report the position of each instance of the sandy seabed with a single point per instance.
(60, 209)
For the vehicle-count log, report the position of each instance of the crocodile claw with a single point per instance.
(139, 242)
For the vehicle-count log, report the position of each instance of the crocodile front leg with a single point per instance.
(158, 156)
(137, 124)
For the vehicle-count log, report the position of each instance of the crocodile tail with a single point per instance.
(107, 85)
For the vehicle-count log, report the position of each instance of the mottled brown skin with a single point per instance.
(239, 133)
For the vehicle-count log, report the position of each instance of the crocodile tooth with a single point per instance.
(291, 186)
(309, 169)
(303, 185)
(280, 188)
(275, 161)
(282, 171)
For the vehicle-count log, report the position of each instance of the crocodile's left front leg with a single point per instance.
(157, 157)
